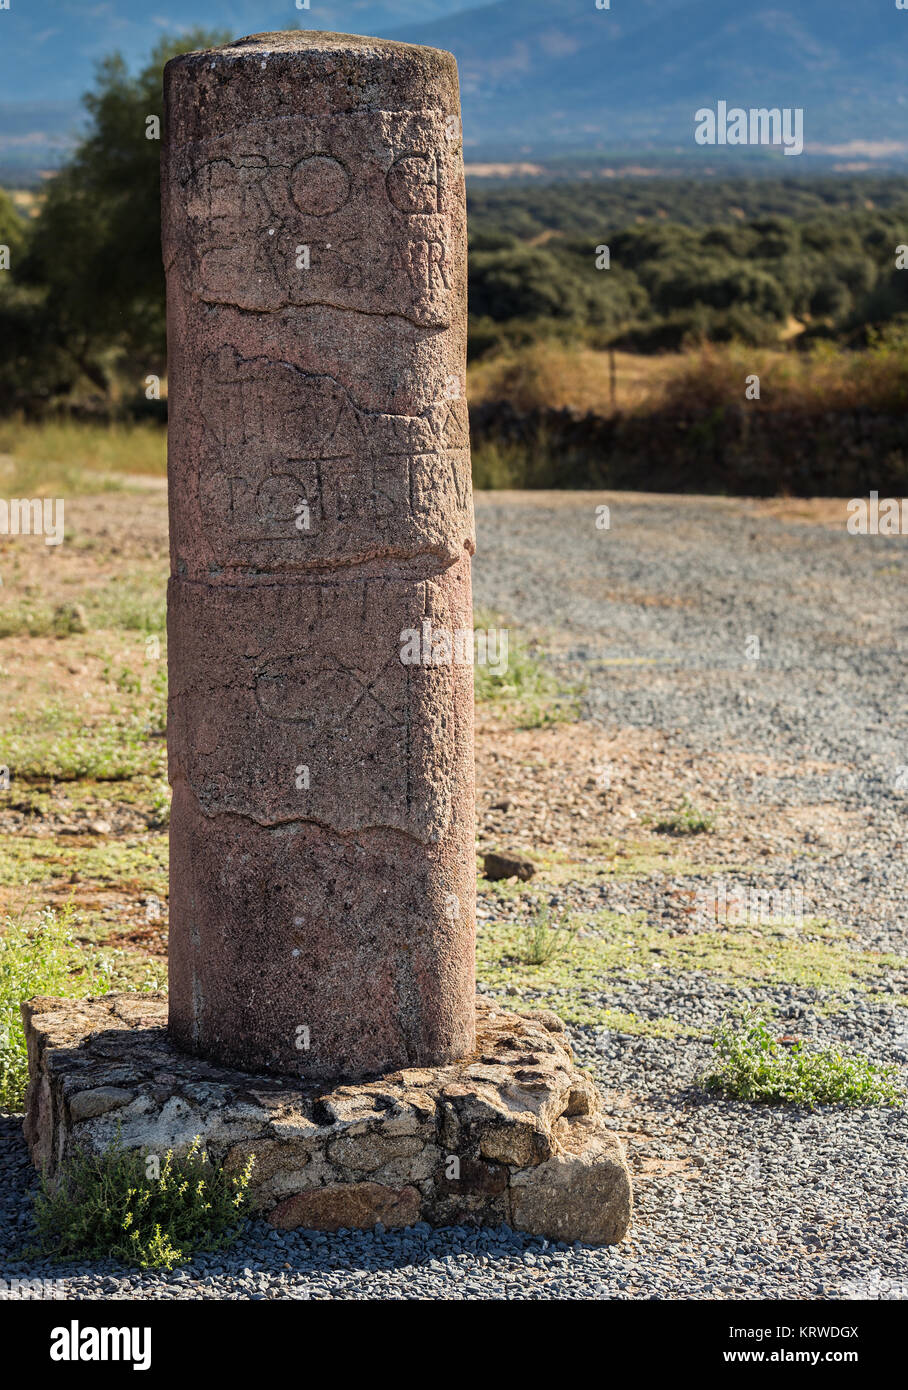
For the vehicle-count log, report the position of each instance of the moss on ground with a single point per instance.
(47, 798)
(137, 865)
(614, 948)
(612, 859)
(55, 742)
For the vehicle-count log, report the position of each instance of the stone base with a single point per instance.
(512, 1134)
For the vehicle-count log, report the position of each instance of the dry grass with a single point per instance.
(826, 379)
(550, 374)
(40, 457)
(52, 455)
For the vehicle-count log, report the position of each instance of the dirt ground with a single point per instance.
(663, 769)
(582, 799)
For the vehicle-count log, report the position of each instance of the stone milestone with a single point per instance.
(322, 841)
(322, 1017)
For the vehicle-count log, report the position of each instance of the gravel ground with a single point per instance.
(657, 615)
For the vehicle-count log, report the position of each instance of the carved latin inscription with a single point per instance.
(366, 195)
(300, 693)
(322, 828)
(293, 474)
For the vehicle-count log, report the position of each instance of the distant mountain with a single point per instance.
(48, 51)
(538, 76)
(48, 47)
(543, 74)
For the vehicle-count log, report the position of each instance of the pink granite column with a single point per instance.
(322, 833)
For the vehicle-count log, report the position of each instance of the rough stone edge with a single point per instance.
(524, 1126)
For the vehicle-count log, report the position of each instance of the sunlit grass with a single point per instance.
(52, 741)
(525, 688)
(551, 374)
(39, 955)
(68, 455)
(613, 947)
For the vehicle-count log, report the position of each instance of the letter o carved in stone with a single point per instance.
(320, 185)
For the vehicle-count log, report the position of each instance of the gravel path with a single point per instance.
(658, 614)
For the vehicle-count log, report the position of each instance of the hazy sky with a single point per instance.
(48, 48)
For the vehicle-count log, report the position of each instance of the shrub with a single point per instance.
(754, 1065)
(522, 282)
(108, 1206)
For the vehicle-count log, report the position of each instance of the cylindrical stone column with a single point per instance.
(320, 726)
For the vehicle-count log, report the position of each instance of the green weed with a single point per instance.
(111, 1206)
(528, 690)
(687, 820)
(546, 936)
(41, 958)
(753, 1065)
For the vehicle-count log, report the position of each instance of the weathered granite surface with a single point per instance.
(322, 871)
(513, 1133)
